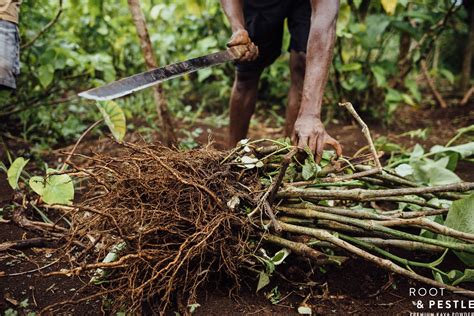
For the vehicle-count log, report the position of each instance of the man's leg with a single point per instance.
(297, 72)
(242, 105)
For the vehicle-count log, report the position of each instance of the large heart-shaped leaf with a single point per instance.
(54, 188)
(434, 172)
(461, 217)
(113, 117)
(15, 170)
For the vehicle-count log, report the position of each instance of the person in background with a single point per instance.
(259, 24)
(9, 43)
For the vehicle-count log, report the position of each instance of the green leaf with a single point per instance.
(461, 217)
(448, 75)
(280, 256)
(204, 74)
(467, 276)
(55, 189)
(434, 172)
(343, 19)
(46, 74)
(350, 67)
(113, 117)
(310, 169)
(404, 170)
(379, 75)
(37, 184)
(15, 170)
(263, 280)
(454, 277)
(465, 150)
(417, 152)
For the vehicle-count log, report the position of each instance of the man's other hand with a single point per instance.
(309, 131)
(241, 37)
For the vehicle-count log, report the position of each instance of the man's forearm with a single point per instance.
(233, 9)
(319, 54)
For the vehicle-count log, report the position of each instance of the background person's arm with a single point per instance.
(233, 9)
(309, 129)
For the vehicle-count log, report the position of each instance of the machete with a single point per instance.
(152, 77)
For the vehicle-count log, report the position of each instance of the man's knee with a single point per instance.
(297, 65)
(246, 80)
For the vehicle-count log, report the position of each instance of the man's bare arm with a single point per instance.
(233, 9)
(309, 130)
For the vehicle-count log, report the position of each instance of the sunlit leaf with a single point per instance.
(15, 170)
(404, 170)
(389, 6)
(343, 19)
(54, 188)
(113, 117)
(350, 67)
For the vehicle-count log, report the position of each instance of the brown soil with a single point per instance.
(357, 288)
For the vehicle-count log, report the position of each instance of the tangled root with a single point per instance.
(168, 209)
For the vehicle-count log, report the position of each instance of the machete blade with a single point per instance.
(149, 78)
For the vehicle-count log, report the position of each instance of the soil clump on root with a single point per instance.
(163, 214)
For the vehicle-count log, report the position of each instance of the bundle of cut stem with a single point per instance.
(367, 220)
(367, 213)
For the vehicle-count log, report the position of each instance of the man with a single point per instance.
(9, 43)
(258, 24)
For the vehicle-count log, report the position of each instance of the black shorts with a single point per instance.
(265, 20)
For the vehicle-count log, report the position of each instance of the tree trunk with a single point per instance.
(164, 117)
(468, 51)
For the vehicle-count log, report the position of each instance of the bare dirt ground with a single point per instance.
(357, 288)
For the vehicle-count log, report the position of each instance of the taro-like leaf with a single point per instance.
(15, 170)
(461, 217)
(54, 188)
(434, 172)
(114, 118)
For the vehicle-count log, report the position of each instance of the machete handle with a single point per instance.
(237, 51)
